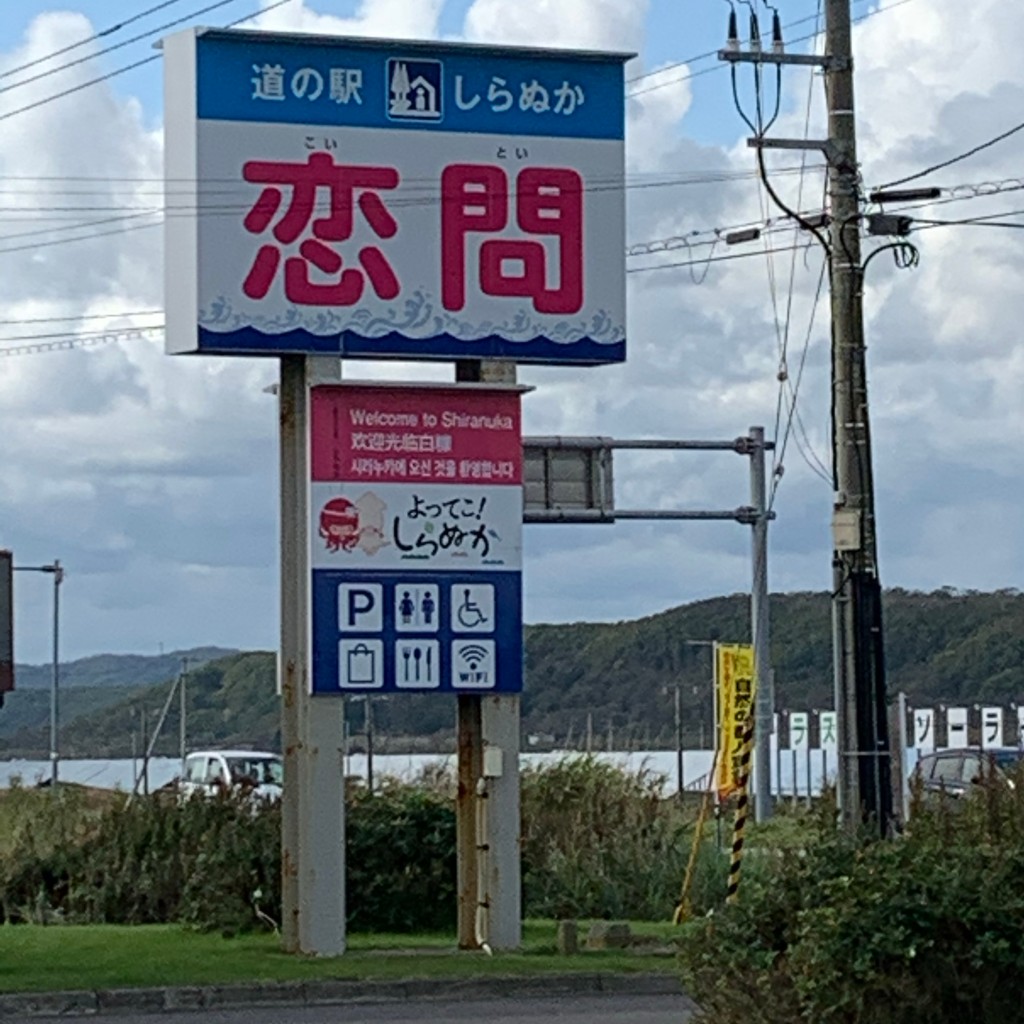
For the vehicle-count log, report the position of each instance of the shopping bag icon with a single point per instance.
(361, 666)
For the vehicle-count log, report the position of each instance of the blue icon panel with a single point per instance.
(417, 632)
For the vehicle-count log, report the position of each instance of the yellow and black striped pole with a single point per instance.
(742, 804)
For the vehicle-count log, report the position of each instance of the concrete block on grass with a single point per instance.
(567, 940)
(609, 935)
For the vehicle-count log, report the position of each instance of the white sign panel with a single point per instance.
(956, 727)
(369, 198)
(924, 730)
(991, 727)
(829, 724)
(799, 731)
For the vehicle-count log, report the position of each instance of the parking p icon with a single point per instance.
(360, 608)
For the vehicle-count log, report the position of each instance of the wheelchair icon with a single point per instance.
(469, 614)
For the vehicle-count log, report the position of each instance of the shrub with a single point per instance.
(400, 860)
(924, 928)
(599, 842)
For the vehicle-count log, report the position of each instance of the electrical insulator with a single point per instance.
(755, 34)
(777, 44)
(732, 42)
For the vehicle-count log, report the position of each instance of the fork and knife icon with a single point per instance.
(417, 664)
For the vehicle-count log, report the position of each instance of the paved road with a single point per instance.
(562, 1009)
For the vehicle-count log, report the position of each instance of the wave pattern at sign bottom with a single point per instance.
(250, 341)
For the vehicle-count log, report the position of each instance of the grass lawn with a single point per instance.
(35, 958)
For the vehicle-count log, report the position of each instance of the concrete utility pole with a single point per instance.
(864, 771)
(764, 695)
(183, 716)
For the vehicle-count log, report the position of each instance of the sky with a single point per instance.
(154, 478)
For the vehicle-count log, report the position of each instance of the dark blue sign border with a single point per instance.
(508, 634)
(483, 89)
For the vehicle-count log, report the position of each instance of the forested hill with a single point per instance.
(116, 669)
(944, 646)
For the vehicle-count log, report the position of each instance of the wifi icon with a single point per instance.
(473, 654)
(473, 665)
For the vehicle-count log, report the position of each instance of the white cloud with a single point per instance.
(588, 24)
(387, 19)
(154, 478)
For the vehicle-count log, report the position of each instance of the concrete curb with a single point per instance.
(328, 992)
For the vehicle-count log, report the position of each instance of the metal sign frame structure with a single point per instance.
(484, 224)
(585, 494)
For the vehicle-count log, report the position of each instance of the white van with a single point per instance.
(216, 771)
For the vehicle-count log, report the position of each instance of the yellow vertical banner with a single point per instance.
(734, 686)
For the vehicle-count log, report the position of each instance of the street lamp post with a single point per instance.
(678, 710)
(57, 571)
(679, 744)
(714, 723)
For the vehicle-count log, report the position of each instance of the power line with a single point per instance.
(978, 222)
(88, 341)
(89, 39)
(115, 46)
(637, 249)
(716, 259)
(280, 3)
(33, 246)
(637, 179)
(804, 446)
(816, 465)
(82, 335)
(79, 87)
(79, 316)
(121, 70)
(59, 342)
(956, 159)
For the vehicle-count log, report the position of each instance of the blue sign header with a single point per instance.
(373, 84)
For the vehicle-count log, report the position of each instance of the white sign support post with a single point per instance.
(313, 803)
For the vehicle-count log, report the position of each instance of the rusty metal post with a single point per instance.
(491, 723)
(470, 768)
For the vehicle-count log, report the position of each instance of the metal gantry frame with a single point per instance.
(584, 493)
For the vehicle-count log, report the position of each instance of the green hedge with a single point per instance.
(927, 928)
(597, 842)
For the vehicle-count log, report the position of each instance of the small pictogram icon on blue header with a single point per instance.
(415, 90)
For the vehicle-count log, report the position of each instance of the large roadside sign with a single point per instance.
(377, 199)
(416, 512)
